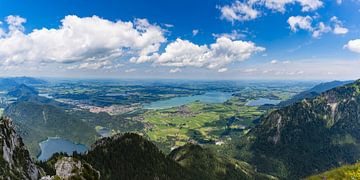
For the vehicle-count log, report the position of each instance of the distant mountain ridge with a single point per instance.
(313, 92)
(8, 83)
(22, 90)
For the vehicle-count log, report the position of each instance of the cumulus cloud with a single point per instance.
(340, 30)
(238, 11)
(274, 61)
(321, 29)
(181, 53)
(15, 23)
(306, 23)
(175, 70)
(95, 65)
(307, 5)
(338, 27)
(88, 65)
(353, 45)
(300, 22)
(222, 70)
(244, 11)
(235, 34)
(86, 40)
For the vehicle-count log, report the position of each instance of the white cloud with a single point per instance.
(88, 65)
(175, 70)
(305, 23)
(15, 23)
(274, 61)
(321, 29)
(2, 33)
(183, 53)
(169, 25)
(195, 32)
(235, 34)
(87, 39)
(244, 11)
(214, 56)
(280, 5)
(310, 5)
(353, 45)
(300, 22)
(338, 27)
(340, 30)
(238, 11)
(95, 65)
(338, 1)
(222, 70)
(130, 70)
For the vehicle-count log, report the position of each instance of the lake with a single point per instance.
(262, 101)
(55, 144)
(209, 97)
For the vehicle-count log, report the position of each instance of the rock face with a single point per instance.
(72, 168)
(15, 161)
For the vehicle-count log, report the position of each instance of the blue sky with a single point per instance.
(250, 39)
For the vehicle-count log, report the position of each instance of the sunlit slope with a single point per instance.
(307, 137)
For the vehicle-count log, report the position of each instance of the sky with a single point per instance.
(184, 39)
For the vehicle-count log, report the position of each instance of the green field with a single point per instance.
(204, 123)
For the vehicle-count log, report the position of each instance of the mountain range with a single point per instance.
(305, 138)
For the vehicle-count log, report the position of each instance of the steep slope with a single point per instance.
(343, 172)
(208, 165)
(36, 122)
(313, 92)
(15, 161)
(129, 156)
(307, 137)
(62, 167)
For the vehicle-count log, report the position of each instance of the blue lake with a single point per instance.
(55, 144)
(209, 97)
(262, 101)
